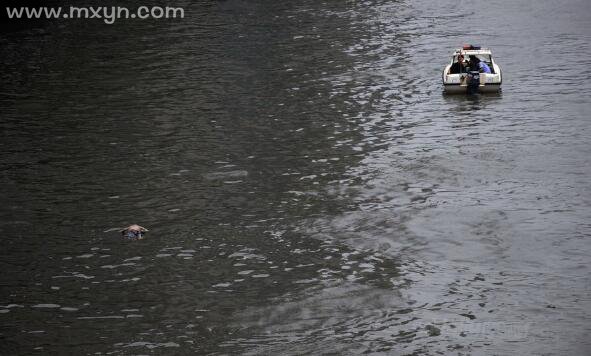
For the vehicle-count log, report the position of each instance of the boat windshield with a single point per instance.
(483, 57)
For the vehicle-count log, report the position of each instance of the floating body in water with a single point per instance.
(134, 232)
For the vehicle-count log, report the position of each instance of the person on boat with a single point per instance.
(483, 67)
(477, 65)
(458, 67)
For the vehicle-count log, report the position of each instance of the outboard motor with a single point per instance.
(473, 82)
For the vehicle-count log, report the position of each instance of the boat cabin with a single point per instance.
(483, 55)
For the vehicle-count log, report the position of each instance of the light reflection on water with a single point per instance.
(306, 184)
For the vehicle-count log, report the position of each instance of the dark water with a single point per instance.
(308, 188)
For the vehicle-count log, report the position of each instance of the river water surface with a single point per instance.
(307, 186)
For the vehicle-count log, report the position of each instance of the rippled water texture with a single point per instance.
(307, 186)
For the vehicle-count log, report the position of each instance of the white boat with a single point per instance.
(466, 77)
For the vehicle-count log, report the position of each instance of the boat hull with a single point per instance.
(463, 89)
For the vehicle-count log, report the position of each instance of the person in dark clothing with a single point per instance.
(473, 63)
(478, 65)
(458, 67)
